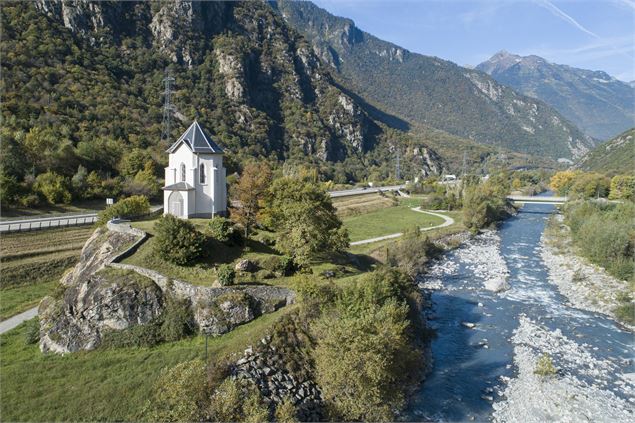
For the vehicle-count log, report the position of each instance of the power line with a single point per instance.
(167, 108)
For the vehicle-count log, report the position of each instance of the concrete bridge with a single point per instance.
(530, 199)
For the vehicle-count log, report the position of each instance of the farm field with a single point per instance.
(360, 204)
(33, 262)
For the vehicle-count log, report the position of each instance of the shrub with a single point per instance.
(32, 332)
(137, 336)
(224, 230)
(545, 367)
(238, 401)
(128, 207)
(177, 320)
(177, 240)
(411, 253)
(226, 274)
(286, 412)
(53, 187)
(625, 311)
(180, 394)
(282, 265)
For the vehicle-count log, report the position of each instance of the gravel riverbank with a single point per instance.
(586, 286)
(577, 392)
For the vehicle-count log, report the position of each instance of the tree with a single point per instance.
(177, 240)
(53, 187)
(304, 218)
(79, 182)
(562, 181)
(9, 189)
(250, 192)
(622, 187)
(590, 185)
(362, 359)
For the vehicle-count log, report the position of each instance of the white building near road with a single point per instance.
(195, 177)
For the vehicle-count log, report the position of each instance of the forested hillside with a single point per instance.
(616, 156)
(597, 103)
(82, 85)
(434, 92)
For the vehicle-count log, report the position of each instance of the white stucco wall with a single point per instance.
(208, 198)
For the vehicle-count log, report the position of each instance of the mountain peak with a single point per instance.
(601, 105)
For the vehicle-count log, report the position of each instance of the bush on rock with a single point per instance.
(177, 240)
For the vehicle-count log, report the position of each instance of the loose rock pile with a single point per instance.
(265, 369)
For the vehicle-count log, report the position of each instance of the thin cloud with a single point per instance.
(562, 15)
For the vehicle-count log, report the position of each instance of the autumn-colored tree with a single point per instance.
(250, 192)
(561, 182)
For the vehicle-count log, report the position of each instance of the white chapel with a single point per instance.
(195, 177)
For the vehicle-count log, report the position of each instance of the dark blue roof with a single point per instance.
(197, 140)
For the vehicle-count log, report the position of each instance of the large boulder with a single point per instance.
(107, 300)
(223, 313)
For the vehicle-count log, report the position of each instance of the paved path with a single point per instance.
(11, 322)
(447, 221)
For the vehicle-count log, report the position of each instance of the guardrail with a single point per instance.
(46, 223)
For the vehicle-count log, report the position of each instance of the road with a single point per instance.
(52, 222)
(11, 322)
(447, 221)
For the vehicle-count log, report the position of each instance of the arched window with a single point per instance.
(201, 174)
(183, 172)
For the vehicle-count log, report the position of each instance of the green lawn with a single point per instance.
(111, 385)
(16, 300)
(387, 221)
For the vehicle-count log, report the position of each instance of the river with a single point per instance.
(473, 367)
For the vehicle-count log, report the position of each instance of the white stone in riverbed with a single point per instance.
(533, 398)
(483, 257)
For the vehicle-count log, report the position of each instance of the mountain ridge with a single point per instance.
(432, 91)
(596, 102)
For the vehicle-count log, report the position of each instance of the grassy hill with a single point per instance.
(613, 157)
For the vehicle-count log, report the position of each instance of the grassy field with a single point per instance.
(387, 221)
(32, 262)
(104, 384)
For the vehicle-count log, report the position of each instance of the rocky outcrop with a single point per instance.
(264, 367)
(179, 21)
(102, 301)
(101, 295)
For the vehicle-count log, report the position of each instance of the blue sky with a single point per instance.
(589, 34)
